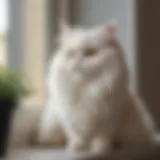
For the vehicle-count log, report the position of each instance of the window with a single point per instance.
(3, 30)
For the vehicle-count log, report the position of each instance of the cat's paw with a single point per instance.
(77, 146)
(100, 147)
(78, 150)
(81, 150)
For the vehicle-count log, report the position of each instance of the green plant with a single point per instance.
(13, 85)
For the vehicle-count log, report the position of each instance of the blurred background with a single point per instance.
(28, 29)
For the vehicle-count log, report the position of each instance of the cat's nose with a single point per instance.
(77, 65)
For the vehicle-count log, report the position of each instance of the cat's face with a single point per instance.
(87, 52)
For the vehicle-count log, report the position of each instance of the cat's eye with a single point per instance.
(90, 52)
(71, 53)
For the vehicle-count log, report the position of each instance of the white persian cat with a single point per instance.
(90, 104)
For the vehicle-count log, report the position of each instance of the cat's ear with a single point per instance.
(110, 29)
(64, 28)
(64, 31)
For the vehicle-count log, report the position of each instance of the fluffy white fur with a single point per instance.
(89, 103)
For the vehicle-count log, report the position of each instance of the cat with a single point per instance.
(90, 104)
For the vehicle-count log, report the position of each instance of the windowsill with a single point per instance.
(55, 154)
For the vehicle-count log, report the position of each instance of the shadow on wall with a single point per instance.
(149, 54)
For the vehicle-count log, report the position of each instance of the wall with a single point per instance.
(95, 12)
(149, 54)
(35, 47)
(27, 42)
(15, 34)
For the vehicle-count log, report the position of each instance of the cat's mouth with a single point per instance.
(78, 70)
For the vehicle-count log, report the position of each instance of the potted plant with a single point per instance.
(12, 88)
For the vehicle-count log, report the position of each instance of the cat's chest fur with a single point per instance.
(74, 91)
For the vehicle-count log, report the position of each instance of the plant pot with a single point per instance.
(6, 110)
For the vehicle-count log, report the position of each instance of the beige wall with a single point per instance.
(34, 46)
